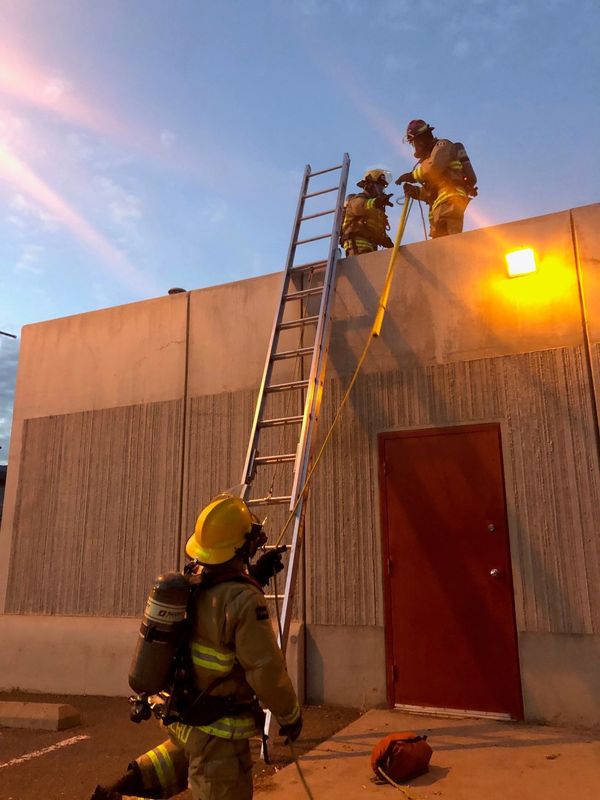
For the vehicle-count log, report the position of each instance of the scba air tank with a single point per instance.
(160, 633)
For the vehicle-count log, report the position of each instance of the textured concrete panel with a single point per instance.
(347, 665)
(552, 478)
(560, 677)
(97, 513)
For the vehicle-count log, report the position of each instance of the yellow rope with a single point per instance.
(375, 331)
(403, 789)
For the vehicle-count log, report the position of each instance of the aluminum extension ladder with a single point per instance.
(287, 407)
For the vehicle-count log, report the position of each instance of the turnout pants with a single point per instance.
(218, 769)
(447, 218)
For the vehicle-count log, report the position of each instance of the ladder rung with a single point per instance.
(323, 191)
(310, 265)
(303, 293)
(270, 501)
(314, 238)
(319, 214)
(296, 323)
(323, 171)
(301, 351)
(277, 421)
(283, 387)
(280, 458)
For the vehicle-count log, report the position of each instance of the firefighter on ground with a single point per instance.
(234, 661)
(446, 177)
(365, 224)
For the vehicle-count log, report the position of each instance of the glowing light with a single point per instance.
(520, 262)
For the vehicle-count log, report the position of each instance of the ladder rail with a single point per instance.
(249, 461)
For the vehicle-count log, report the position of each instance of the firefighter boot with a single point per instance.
(102, 793)
(130, 783)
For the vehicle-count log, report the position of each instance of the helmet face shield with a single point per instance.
(380, 177)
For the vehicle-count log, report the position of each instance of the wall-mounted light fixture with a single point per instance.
(520, 262)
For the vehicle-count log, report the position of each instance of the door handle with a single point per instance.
(496, 573)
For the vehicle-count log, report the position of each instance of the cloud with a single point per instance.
(25, 211)
(29, 260)
(9, 355)
(125, 207)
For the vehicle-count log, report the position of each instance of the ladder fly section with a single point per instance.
(287, 408)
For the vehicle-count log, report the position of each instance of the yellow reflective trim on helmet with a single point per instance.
(209, 658)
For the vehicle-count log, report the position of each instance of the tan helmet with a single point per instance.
(221, 529)
(375, 176)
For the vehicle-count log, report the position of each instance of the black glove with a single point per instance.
(412, 191)
(268, 564)
(383, 201)
(406, 177)
(291, 732)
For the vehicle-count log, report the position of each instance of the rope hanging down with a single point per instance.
(375, 331)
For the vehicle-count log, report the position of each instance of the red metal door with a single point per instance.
(450, 623)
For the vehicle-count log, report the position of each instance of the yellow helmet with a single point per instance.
(375, 176)
(220, 530)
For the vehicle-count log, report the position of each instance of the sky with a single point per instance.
(147, 144)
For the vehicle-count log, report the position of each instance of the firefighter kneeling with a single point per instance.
(225, 659)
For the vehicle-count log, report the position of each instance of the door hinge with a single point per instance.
(389, 566)
(394, 673)
(385, 467)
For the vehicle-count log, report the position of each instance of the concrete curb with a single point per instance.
(41, 716)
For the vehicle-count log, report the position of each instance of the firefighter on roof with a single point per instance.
(446, 176)
(231, 660)
(365, 224)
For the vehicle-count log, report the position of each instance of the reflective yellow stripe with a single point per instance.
(290, 717)
(456, 165)
(157, 766)
(212, 659)
(417, 173)
(169, 767)
(180, 731)
(371, 203)
(231, 728)
(446, 195)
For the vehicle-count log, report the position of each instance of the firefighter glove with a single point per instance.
(383, 201)
(412, 191)
(405, 177)
(291, 732)
(268, 564)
